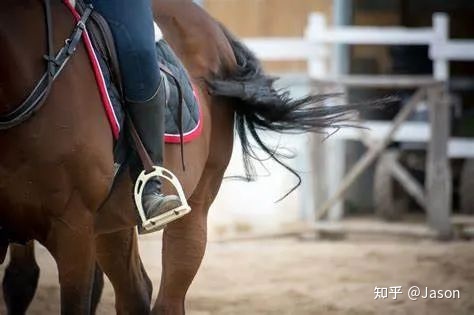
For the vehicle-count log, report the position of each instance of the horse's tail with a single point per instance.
(260, 106)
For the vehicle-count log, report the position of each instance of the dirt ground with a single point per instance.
(305, 277)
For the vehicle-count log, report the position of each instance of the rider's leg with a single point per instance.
(132, 25)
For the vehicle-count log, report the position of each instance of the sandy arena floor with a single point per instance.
(303, 277)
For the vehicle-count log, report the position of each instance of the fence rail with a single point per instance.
(313, 47)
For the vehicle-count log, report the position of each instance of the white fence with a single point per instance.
(313, 46)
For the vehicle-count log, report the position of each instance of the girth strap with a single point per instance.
(54, 66)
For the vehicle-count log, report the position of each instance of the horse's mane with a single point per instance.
(260, 106)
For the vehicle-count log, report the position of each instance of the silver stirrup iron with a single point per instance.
(159, 222)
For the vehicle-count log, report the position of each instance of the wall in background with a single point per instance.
(266, 18)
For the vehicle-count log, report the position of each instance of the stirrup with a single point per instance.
(160, 221)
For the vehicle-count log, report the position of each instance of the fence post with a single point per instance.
(441, 38)
(438, 180)
(317, 64)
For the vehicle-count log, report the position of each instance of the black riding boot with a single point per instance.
(149, 121)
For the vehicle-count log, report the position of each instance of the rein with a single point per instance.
(54, 65)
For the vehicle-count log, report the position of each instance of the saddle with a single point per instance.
(182, 113)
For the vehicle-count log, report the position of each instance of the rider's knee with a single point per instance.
(141, 74)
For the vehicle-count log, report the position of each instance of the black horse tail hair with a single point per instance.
(260, 106)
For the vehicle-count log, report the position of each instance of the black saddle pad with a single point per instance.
(191, 110)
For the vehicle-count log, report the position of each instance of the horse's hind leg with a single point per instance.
(118, 256)
(184, 244)
(20, 279)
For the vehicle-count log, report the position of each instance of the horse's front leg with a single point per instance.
(21, 278)
(72, 244)
(118, 257)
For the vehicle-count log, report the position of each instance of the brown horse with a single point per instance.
(56, 169)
